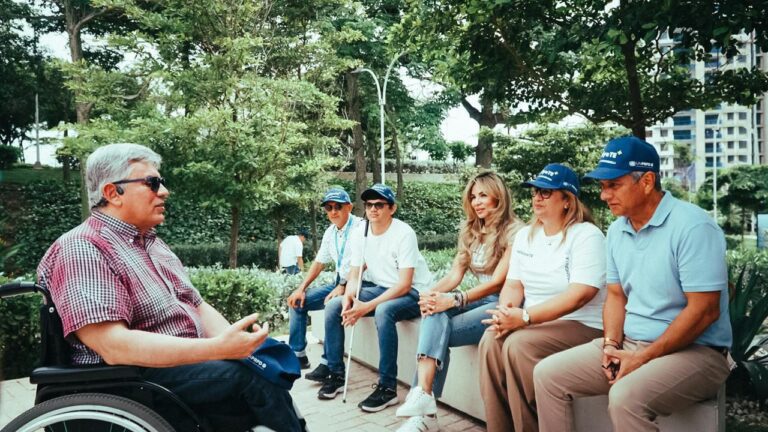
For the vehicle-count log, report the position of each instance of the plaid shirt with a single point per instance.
(104, 270)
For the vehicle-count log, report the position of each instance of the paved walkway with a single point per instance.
(17, 396)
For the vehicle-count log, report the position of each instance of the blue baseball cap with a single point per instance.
(338, 195)
(379, 191)
(276, 362)
(622, 156)
(556, 176)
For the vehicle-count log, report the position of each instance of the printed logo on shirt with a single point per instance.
(568, 268)
(524, 253)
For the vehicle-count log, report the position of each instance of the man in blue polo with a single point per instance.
(665, 319)
(333, 249)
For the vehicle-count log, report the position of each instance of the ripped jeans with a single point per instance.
(452, 328)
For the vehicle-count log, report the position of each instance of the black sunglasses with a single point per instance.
(545, 193)
(378, 205)
(328, 207)
(153, 182)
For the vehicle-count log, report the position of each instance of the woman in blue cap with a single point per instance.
(454, 318)
(551, 301)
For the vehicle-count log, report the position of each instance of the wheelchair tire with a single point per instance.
(89, 412)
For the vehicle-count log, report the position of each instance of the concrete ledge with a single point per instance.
(462, 389)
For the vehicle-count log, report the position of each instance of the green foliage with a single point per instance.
(9, 155)
(19, 334)
(460, 151)
(521, 159)
(748, 309)
(261, 254)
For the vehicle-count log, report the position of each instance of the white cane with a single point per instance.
(357, 296)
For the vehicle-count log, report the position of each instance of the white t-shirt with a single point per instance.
(335, 242)
(387, 253)
(290, 249)
(546, 267)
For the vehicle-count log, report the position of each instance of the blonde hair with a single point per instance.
(575, 212)
(497, 230)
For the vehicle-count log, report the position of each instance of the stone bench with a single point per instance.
(462, 390)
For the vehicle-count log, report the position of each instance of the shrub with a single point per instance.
(9, 155)
(748, 310)
(19, 334)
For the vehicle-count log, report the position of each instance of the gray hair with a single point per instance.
(657, 178)
(111, 163)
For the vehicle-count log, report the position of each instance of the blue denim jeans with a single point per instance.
(386, 316)
(298, 318)
(291, 270)
(452, 328)
(217, 388)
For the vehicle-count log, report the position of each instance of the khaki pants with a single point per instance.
(660, 387)
(506, 371)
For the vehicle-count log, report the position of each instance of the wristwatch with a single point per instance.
(456, 299)
(343, 282)
(526, 317)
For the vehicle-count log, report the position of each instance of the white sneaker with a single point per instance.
(417, 403)
(420, 424)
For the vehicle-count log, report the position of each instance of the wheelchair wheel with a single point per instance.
(89, 412)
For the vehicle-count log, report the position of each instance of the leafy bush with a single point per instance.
(9, 155)
(748, 309)
(19, 334)
(421, 167)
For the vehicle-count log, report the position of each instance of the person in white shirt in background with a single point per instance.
(334, 248)
(395, 274)
(552, 299)
(291, 251)
(455, 319)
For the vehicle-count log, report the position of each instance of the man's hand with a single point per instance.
(338, 291)
(610, 364)
(432, 302)
(627, 361)
(504, 320)
(358, 310)
(237, 342)
(297, 297)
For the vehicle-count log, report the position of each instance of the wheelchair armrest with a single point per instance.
(82, 373)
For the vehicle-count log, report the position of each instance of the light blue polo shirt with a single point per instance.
(679, 250)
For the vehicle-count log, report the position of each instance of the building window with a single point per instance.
(743, 158)
(663, 132)
(730, 145)
(730, 116)
(648, 133)
(730, 130)
(709, 161)
(663, 146)
(682, 135)
(742, 58)
(742, 130)
(682, 120)
(742, 116)
(709, 133)
(742, 144)
(709, 147)
(730, 159)
(710, 119)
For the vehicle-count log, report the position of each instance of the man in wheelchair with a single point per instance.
(125, 299)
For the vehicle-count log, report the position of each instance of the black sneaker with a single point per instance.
(320, 373)
(304, 362)
(381, 398)
(333, 385)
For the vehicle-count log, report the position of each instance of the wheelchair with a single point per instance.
(102, 398)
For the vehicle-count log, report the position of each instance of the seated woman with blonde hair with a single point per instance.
(551, 301)
(452, 319)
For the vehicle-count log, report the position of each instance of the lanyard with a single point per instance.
(340, 254)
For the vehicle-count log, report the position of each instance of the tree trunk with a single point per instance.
(313, 224)
(398, 165)
(353, 105)
(373, 150)
(234, 234)
(484, 149)
(279, 223)
(635, 96)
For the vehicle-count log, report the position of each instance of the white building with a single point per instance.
(727, 135)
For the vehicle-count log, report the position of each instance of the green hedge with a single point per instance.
(36, 214)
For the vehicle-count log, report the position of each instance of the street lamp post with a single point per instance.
(716, 149)
(381, 92)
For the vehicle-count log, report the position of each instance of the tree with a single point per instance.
(625, 63)
(744, 187)
(216, 97)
